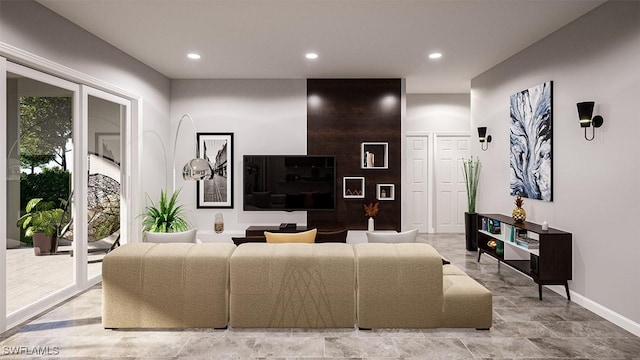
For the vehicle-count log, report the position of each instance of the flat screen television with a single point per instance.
(289, 182)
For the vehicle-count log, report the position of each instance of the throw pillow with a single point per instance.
(332, 236)
(401, 237)
(301, 237)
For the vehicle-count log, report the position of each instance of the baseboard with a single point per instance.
(608, 314)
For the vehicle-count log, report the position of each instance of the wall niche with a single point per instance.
(343, 114)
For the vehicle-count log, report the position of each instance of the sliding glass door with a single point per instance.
(65, 187)
(40, 114)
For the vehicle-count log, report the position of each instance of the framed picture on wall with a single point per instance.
(385, 192)
(353, 187)
(217, 148)
(531, 158)
(107, 145)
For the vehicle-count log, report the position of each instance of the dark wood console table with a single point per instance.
(259, 230)
(544, 255)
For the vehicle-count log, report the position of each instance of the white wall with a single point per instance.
(266, 117)
(438, 113)
(33, 28)
(595, 184)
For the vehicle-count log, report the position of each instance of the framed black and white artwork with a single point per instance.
(530, 159)
(217, 192)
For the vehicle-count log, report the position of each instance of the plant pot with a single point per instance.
(188, 236)
(471, 230)
(44, 245)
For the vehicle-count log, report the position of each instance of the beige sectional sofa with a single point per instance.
(174, 285)
(329, 285)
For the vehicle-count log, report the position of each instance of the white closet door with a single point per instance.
(417, 197)
(451, 196)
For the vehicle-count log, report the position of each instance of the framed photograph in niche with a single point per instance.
(374, 155)
(530, 159)
(385, 192)
(107, 145)
(217, 148)
(353, 187)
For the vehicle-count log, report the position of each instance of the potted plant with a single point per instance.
(471, 177)
(41, 222)
(166, 221)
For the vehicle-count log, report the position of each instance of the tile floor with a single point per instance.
(523, 328)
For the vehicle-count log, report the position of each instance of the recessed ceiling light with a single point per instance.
(193, 56)
(435, 55)
(311, 56)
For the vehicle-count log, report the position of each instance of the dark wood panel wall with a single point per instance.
(341, 115)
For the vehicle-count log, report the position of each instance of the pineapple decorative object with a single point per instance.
(518, 214)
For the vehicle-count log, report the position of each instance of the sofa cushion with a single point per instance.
(245, 239)
(332, 236)
(399, 285)
(176, 285)
(300, 237)
(401, 237)
(292, 285)
(466, 302)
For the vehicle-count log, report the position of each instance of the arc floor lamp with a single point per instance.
(197, 168)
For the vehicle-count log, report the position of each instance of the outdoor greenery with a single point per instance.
(168, 216)
(45, 128)
(471, 178)
(41, 216)
(50, 185)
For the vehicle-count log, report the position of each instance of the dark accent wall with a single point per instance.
(341, 115)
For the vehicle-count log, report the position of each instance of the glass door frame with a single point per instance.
(132, 183)
(125, 167)
(78, 182)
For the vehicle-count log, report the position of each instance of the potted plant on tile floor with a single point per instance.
(471, 169)
(41, 222)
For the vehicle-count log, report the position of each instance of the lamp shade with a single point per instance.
(585, 111)
(482, 133)
(197, 169)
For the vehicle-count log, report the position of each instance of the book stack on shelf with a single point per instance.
(491, 225)
(526, 242)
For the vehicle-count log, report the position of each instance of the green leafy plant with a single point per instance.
(167, 216)
(471, 178)
(41, 217)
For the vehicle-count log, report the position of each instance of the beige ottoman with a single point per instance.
(172, 285)
(399, 285)
(292, 285)
(466, 302)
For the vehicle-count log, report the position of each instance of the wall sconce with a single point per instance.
(585, 111)
(482, 135)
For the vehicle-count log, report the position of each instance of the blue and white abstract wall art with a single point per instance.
(531, 146)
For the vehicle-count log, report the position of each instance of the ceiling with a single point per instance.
(267, 39)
